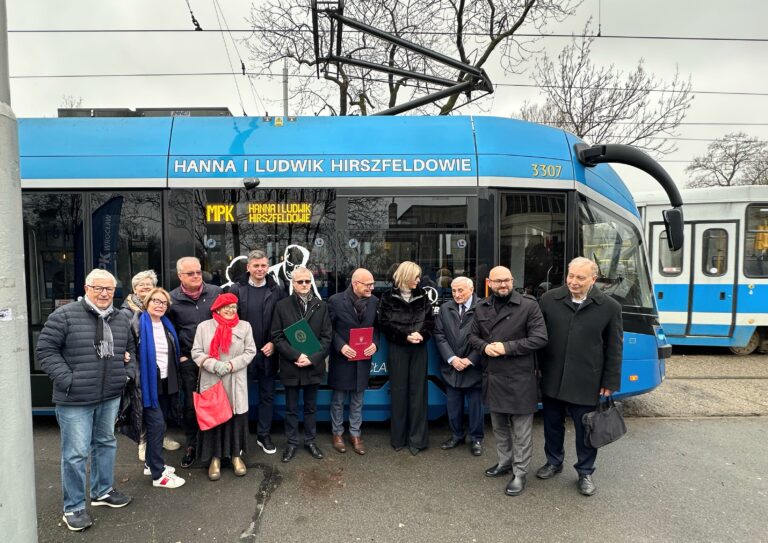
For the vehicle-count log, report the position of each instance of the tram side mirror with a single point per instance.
(673, 224)
(251, 183)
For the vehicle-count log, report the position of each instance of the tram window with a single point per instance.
(53, 245)
(532, 235)
(756, 241)
(126, 235)
(384, 231)
(291, 225)
(617, 247)
(670, 262)
(714, 254)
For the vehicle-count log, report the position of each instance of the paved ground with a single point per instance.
(692, 468)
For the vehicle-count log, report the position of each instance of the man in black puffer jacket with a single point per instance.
(88, 351)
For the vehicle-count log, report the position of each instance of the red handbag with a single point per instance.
(212, 406)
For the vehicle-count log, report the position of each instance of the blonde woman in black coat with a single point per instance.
(406, 319)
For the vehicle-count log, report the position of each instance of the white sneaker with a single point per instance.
(166, 470)
(168, 480)
(171, 444)
(143, 451)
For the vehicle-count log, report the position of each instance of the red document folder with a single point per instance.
(359, 340)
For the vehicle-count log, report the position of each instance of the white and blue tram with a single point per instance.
(714, 291)
(457, 195)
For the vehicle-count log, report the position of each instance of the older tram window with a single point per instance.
(617, 247)
(756, 241)
(714, 253)
(670, 262)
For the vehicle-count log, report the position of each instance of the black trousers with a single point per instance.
(292, 413)
(189, 385)
(407, 367)
(554, 434)
(266, 382)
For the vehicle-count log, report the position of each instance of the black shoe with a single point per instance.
(315, 451)
(452, 443)
(586, 486)
(547, 471)
(414, 450)
(113, 498)
(497, 471)
(189, 458)
(289, 453)
(265, 442)
(515, 486)
(476, 448)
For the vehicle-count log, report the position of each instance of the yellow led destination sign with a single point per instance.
(261, 213)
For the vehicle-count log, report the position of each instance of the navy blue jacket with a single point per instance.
(343, 374)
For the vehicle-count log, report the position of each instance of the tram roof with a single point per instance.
(465, 150)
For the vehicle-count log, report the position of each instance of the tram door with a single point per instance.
(713, 268)
(671, 279)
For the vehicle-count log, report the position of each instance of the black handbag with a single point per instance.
(604, 425)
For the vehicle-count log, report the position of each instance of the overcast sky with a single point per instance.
(726, 66)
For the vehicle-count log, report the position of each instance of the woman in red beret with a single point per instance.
(223, 348)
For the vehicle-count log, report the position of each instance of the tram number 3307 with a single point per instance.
(546, 170)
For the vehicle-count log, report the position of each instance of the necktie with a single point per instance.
(462, 308)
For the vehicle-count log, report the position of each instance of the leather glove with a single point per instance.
(221, 368)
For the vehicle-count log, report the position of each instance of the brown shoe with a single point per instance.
(338, 443)
(357, 444)
(214, 470)
(238, 466)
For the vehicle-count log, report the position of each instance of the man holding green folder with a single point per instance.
(301, 332)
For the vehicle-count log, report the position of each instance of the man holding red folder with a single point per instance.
(353, 313)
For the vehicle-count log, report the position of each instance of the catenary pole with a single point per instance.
(285, 86)
(18, 517)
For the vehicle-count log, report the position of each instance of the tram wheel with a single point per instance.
(750, 347)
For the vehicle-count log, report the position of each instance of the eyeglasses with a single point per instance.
(190, 274)
(158, 301)
(303, 281)
(99, 290)
(366, 285)
(230, 307)
(500, 281)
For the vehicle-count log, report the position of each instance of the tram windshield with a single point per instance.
(617, 247)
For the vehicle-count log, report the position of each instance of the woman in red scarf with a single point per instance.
(223, 348)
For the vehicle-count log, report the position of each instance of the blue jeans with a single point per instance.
(87, 429)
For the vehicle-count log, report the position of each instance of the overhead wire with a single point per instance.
(229, 59)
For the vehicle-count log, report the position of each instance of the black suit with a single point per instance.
(451, 338)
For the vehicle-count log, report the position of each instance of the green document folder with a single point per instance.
(302, 338)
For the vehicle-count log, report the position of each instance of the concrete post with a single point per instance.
(17, 474)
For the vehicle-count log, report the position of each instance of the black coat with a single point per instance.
(273, 295)
(186, 313)
(67, 354)
(587, 348)
(451, 338)
(398, 318)
(343, 374)
(509, 381)
(287, 312)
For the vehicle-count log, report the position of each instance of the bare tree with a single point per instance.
(68, 101)
(603, 104)
(470, 30)
(734, 159)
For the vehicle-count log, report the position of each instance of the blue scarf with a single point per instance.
(148, 357)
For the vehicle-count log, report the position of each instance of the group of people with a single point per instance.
(495, 351)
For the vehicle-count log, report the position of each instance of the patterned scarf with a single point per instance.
(195, 295)
(148, 357)
(134, 302)
(222, 338)
(103, 342)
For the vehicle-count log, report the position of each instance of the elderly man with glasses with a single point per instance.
(88, 351)
(302, 364)
(190, 305)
